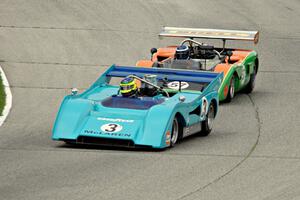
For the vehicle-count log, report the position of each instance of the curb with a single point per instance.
(8, 100)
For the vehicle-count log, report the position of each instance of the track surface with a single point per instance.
(47, 47)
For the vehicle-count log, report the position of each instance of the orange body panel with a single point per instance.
(167, 52)
(144, 63)
(238, 55)
(224, 67)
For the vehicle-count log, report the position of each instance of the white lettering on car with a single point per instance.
(115, 120)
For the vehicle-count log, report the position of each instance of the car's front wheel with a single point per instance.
(231, 89)
(175, 132)
(207, 124)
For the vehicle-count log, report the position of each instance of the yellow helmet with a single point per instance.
(128, 87)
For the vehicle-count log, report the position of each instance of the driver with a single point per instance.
(128, 87)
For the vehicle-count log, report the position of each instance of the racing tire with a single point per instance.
(250, 86)
(175, 132)
(231, 89)
(67, 142)
(207, 124)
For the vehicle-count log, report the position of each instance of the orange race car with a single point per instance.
(239, 66)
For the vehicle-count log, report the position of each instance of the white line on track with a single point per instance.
(8, 101)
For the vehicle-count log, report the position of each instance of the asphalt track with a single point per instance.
(48, 47)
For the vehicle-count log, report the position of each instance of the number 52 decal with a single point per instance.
(111, 128)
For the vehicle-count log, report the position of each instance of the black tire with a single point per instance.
(206, 126)
(68, 142)
(231, 89)
(175, 132)
(250, 86)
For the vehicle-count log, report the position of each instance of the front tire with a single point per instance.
(175, 132)
(207, 124)
(231, 90)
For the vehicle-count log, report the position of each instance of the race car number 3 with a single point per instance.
(111, 128)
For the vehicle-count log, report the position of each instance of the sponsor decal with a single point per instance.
(115, 120)
(175, 85)
(186, 131)
(111, 128)
(92, 132)
(168, 137)
(218, 33)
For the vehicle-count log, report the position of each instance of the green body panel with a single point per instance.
(242, 71)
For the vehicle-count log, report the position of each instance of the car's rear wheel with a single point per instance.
(250, 86)
(231, 89)
(207, 124)
(175, 132)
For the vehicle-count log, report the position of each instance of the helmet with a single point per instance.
(128, 87)
(182, 52)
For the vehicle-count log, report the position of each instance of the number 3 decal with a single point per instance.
(111, 128)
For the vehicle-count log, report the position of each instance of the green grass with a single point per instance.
(2, 97)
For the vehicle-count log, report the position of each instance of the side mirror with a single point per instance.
(153, 51)
(229, 54)
(181, 98)
(74, 91)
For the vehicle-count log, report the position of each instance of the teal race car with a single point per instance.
(181, 103)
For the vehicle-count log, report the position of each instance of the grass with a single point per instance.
(2, 97)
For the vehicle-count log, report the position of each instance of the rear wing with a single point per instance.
(210, 34)
(162, 73)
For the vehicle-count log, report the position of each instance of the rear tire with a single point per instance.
(231, 89)
(206, 126)
(250, 86)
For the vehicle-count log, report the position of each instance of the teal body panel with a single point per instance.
(85, 115)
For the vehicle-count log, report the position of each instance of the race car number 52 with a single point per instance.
(111, 128)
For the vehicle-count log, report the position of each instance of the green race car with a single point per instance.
(239, 66)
